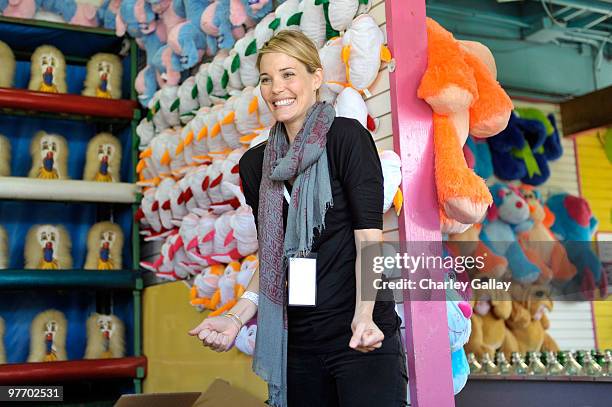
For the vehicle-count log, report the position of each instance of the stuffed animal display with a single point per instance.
(7, 71)
(103, 159)
(48, 334)
(522, 150)
(104, 73)
(48, 70)
(48, 247)
(5, 156)
(49, 156)
(104, 247)
(197, 129)
(2, 352)
(460, 86)
(489, 331)
(105, 337)
(508, 216)
(458, 313)
(89, 13)
(4, 249)
(574, 225)
(528, 321)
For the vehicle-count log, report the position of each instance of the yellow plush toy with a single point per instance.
(47, 247)
(48, 337)
(103, 80)
(105, 337)
(5, 157)
(104, 246)
(103, 159)
(48, 70)
(528, 321)
(489, 332)
(7, 71)
(2, 352)
(49, 156)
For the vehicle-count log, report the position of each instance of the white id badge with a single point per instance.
(302, 281)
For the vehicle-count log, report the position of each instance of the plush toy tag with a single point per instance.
(303, 281)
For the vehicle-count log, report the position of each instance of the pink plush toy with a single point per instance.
(20, 8)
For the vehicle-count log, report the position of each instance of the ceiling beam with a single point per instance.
(587, 112)
(590, 21)
(594, 6)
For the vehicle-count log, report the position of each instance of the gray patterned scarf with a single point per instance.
(311, 196)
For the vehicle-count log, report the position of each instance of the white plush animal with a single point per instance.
(49, 156)
(169, 104)
(392, 174)
(350, 103)
(105, 337)
(48, 334)
(7, 70)
(104, 247)
(204, 85)
(48, 247)
(48, 70)
(313, 22)
(103, 159)
(5, 156)
(104, 73)
(363, 49)
(189, 102)
(289, 15)
(246, 47)
(334, 71)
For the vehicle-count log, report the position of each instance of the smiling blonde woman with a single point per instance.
(316, 189)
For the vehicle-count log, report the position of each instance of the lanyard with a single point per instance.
(287, 196)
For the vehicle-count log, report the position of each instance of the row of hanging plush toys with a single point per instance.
(49, 331)
(212, 132)
(48, 247)
(88, 13)
(48, 72)
(49, 153)
(524, 232)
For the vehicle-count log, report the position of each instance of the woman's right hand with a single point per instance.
(218, 333)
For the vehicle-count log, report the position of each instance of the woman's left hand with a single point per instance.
(366, 335)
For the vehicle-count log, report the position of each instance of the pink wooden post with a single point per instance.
(427, 342)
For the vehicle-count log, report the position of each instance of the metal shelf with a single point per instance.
(23, 188)
(66, 105)
(72, 279)
(73, 370)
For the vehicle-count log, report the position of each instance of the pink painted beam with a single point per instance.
(427, 342)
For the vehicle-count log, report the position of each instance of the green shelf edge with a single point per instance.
(57, 26)
(107, 279)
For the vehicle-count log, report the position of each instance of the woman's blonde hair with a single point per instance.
(296, 45)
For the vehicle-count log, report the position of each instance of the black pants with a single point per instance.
(349, 378)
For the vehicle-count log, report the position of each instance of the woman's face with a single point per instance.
(287, 87)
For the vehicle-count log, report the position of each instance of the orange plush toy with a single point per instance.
(540, 244)
(461, 88)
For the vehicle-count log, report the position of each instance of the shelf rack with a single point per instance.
(23, 188)
(73, 370)
(96, 279)
(78, 44)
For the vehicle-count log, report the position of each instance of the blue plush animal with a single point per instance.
(107, 13)
(517, 152)
(508, 216)
(136, 17)
(79, 13)
(458, 313)
(574, 226)
(188, 44)
(193, 12)
(482, 157)
(146, 85)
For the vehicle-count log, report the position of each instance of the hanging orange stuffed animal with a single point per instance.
(460, 86)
